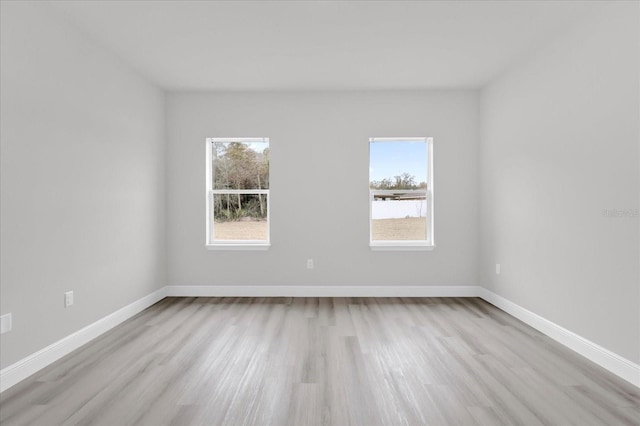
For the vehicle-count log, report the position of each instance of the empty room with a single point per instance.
(320, 213)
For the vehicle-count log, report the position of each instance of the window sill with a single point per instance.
(402, 247)
(238, 247)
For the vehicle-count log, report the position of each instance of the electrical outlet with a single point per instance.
(68, 299)
(309, 263)
(6, 323)
(497, 269)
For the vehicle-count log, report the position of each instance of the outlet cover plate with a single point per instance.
(6, 323)
(68, 299)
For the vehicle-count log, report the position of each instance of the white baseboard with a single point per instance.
(24, 368)
(613, 362)
(321, 291)
(35, 362)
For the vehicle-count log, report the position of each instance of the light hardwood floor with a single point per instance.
(322, 361)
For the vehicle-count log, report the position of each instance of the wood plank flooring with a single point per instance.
(322, 361)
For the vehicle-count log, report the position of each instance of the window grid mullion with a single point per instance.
(240, 191)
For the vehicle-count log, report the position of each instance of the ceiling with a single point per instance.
(319, 45)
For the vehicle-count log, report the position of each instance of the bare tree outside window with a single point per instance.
(238, 198)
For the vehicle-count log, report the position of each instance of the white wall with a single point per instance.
(559, 144)
(82, 180)
(319, 186)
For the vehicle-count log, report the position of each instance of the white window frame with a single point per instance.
(406, 245)
(211, 243)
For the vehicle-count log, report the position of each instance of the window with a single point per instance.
(237, 193)
(401, 193)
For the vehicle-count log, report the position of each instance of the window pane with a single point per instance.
(240, 217)
(398, 164)
(399, 217)
(240, 165)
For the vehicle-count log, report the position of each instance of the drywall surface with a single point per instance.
(319, 169)
(559, 182)
(82, 180)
